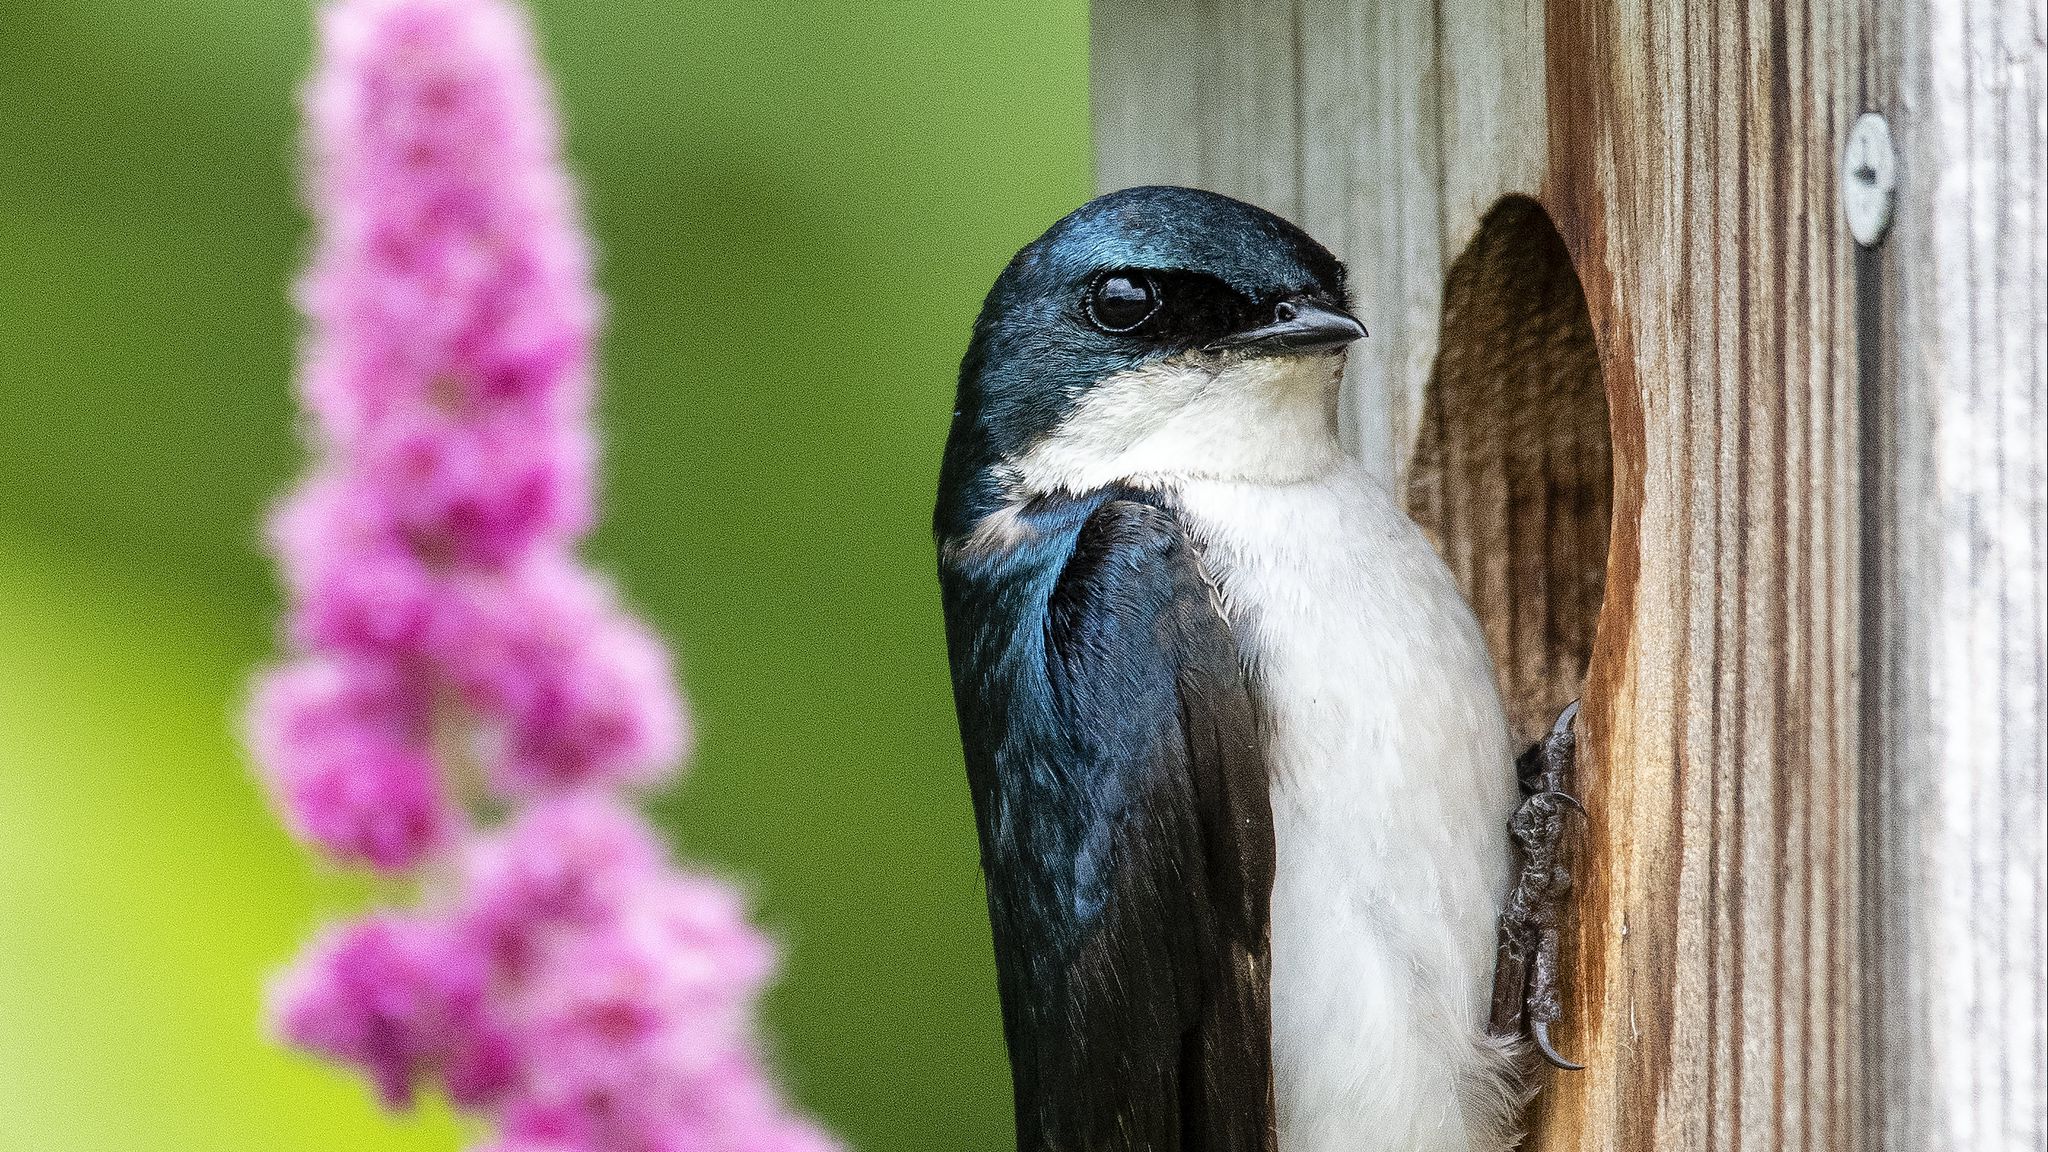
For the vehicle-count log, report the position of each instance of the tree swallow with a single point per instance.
(1238, 761)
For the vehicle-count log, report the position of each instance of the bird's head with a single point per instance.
(1156, 334)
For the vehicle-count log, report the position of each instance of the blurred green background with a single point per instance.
(862, 168)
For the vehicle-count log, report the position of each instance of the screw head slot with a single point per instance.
(1870, 179)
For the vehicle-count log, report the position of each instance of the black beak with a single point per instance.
(1299, 325)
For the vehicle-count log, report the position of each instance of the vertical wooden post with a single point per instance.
(1693, 161)
(1955, 342)
(1814, 899)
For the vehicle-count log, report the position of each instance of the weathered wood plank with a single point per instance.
(1250, 103)
(1688, 159)
(1369, 190)
(1146, 62)
(1692, 153)
(1957, 336)
(1198, 92)
(1493, 131)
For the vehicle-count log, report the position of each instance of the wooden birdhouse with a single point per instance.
(1725, 403)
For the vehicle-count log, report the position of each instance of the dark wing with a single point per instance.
(1128, 844)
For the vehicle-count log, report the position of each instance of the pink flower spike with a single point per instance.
(571, 690)
(570, 864)
(473, 493)
(645, 1023)
(451, 269)
(717, 959)
(340, 744)
(399, 999)
(602, 708)
(357, 586)
(566, 984)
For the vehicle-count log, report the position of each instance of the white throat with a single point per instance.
(1265, 420)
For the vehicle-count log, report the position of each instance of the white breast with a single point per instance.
(1392, 776)
(1392, 784)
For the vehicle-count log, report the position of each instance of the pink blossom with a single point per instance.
(472, 491)
(725, 1107)
(342, 743)
(399, 999)
(355, 583)
(570, 689)
(568, 865)
(629, 984)
(567, 687)
(652, 998)
(563, 979)
(451, 269)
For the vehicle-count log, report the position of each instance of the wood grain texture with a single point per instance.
(1146, 66)
(1956, 342)
(1198, 92)
(1692, 160)
(1369, 173)
(1493, 127)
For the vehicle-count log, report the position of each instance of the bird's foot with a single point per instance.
(1525, 978)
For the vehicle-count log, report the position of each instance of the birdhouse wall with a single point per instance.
(1812, 900)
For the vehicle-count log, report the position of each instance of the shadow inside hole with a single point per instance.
(1512, 475)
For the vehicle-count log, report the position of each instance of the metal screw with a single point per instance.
(1870, 179)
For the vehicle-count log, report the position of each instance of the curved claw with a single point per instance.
(1569, 799)
(1539, 1031)
(1565, 718)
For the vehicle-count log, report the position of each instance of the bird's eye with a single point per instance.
(1121, 301)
